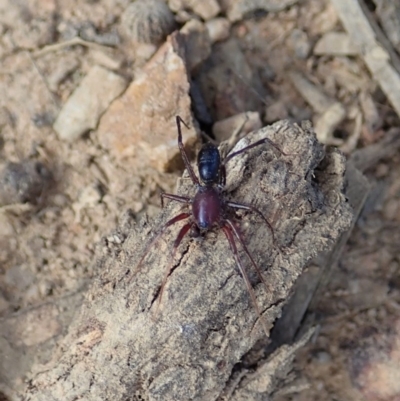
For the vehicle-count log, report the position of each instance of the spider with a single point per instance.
(209, 209)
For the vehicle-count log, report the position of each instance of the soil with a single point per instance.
(59, 199)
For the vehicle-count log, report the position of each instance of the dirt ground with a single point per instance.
(59, 198)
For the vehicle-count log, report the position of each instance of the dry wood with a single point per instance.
(313, 281)
(118, 350)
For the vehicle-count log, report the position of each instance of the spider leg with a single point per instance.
(183, 152)
(255, 210)
(242, 242)
(228, 233)
(253, 145)
(169, 223)
(177, 198)
(184, 230)
(232, 140)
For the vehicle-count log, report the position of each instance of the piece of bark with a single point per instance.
(274, 369)
(118, 350)
(314, 280)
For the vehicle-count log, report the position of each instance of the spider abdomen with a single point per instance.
(209, 162)
(207, 207)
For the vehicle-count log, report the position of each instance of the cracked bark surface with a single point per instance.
(117, 349)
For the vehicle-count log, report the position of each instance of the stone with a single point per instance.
(197, 43)
(139, 127)
(88, 102)
(205, 9)
(218, 29)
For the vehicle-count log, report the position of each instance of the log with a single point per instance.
(118, 349)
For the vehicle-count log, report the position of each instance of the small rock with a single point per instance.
(147, 21)
(218, 29)
(323, 22)
(139, 127)
(19, 276)
(298, 41)
(224, 129)
(236, 10)
(326, 123)
(372, 117)
(143, 53)
(89, 32)
(323, 357)
(276, 111)
(24, 182)
(111, 61)
(205, 9)
(375, 363)
(310, 92)
(90, 196)
(62, 70)
(229, 84)
(84, 107)
(6, 227)
(4, 305)
(197, 43)
(335, 44)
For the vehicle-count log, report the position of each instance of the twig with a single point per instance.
(72, 42)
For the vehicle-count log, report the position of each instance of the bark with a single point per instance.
(118, 350)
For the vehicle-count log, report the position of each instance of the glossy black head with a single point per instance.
(208, 162)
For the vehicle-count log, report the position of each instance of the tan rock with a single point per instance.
(140, 126)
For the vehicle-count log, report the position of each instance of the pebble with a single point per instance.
(88, 102)
(298, 41)
(335, 44)
(24, 182)
(147, 21)
(205, 9)
(224, 129)
(197, 43)
(374, 363)
(218, 29)
(237, 10)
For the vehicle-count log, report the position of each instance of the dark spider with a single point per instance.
(209, 208)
